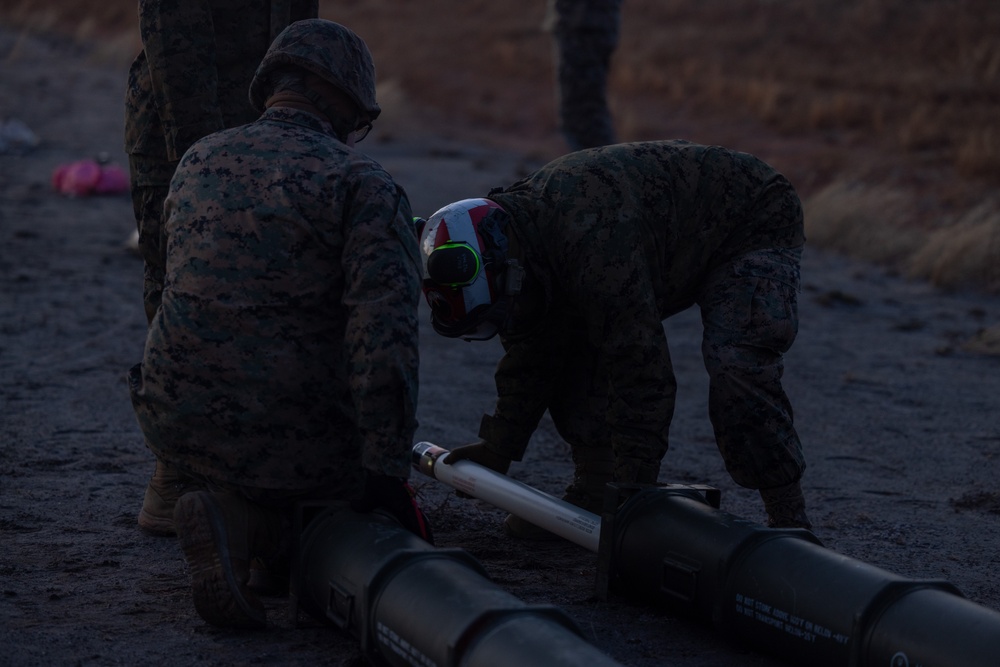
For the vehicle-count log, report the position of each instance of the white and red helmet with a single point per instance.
(464, 251)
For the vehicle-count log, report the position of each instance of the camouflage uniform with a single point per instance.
(190, 79)
(586, 34)
(284, 354)
(620, 238)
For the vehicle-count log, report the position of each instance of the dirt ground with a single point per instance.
(898, 413)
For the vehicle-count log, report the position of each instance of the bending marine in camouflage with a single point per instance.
(190, 79)
(282, 363)
(585, 33)
(611, 241)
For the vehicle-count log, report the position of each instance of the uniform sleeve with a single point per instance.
(178, 38)
(525, 377)
(382, 289)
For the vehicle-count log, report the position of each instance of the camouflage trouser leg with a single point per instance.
(579, 412)
(749, 309)
(579, 408)
(150, 178)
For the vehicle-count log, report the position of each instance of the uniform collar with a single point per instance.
(301, 117)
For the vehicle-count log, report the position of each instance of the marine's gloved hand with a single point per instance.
(479, 452)
(396, 496)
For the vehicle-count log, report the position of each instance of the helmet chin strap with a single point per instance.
(499, 313)
(513, 279)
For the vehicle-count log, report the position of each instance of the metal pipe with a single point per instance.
(409, 603)
(553, 514)
(780, 590)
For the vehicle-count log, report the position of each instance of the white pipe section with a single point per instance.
(553, 514)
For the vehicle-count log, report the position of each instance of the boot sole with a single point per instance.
(218, 594)
(156, 526)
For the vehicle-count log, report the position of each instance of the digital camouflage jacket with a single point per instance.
(620, 238)
(284, 354)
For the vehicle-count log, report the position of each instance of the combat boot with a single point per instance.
(786, 507)
(594, 470)
(220, 533)
(164, 488)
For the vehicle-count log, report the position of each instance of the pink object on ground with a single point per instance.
(113, 180)
(87, 177)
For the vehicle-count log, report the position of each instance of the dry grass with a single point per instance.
(900, 95)
(874, 223)
(962, 253)
(868, 222)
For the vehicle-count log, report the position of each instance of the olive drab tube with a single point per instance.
(782, 591)
(409, 603)
(779, 590)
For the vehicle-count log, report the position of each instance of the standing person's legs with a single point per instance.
(585, 34)
(749, 309)
(150, 179)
